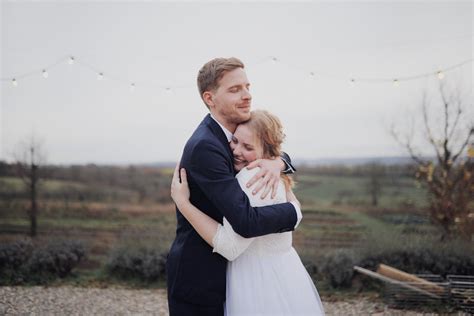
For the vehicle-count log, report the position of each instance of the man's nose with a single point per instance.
(246, 95)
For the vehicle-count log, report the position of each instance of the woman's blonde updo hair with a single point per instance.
(268, 133)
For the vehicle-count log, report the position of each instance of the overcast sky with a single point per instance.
(161, 46)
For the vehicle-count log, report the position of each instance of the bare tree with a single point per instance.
(374, 184)
(448, 177)
(29, 160)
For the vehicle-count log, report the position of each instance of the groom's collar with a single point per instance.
(228, 134)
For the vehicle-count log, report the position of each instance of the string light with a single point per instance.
(439, 74)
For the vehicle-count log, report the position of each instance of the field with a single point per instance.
(337, 213)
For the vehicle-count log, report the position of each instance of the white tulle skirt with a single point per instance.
(269, 283)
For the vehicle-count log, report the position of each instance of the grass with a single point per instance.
(49, 185)
(323, 190)
(51, 223)
(336, 213)
(58, 189)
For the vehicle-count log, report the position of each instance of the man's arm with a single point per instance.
(211, 172)
(289, 169)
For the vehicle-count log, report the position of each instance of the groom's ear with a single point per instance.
(207, 97)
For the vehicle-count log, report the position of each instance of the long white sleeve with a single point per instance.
(227, 242)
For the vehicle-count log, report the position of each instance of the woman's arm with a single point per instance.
(205, 226)
(222, 238)
(228, 243)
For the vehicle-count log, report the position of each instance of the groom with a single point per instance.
(196, 276)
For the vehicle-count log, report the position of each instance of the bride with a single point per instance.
(265, 275)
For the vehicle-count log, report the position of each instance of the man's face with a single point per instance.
(232, 100)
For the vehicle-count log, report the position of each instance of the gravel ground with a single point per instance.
(68, 300)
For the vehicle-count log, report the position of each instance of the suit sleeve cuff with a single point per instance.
(289, 167)
(299, 215)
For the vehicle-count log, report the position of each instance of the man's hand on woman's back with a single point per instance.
(268, 177)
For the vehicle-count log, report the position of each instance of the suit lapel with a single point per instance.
(219, 133)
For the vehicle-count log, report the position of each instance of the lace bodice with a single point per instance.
(230, 245)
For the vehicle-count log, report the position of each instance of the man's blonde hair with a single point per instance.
(213, 71)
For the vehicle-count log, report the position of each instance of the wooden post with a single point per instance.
(412, 279)
(399, 283)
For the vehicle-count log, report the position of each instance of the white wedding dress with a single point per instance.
(265, 275)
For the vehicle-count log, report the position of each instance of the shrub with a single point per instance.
(21, 263)
(337, 267)
(15, 254)
(423, 261)
(412, 254)
(57, 258)
(143, 263)
(13, 257)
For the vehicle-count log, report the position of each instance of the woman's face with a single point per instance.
(244, 147)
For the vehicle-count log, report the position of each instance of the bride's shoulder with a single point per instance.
(246, 174)
(244, 177)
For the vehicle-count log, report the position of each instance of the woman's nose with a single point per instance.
(235, 150)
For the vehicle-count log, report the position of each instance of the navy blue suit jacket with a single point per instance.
(194, 273)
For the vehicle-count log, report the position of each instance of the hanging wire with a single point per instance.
(35, 72)
(133, 84)
(440, 73)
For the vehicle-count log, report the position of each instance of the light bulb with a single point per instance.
(71, 60)
(100, 76)
(132, 87)
(396, 83)
(14, 82)
(440, 75)
(45, 74)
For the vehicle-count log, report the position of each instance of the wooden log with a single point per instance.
(410, 278)
(378, 276)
